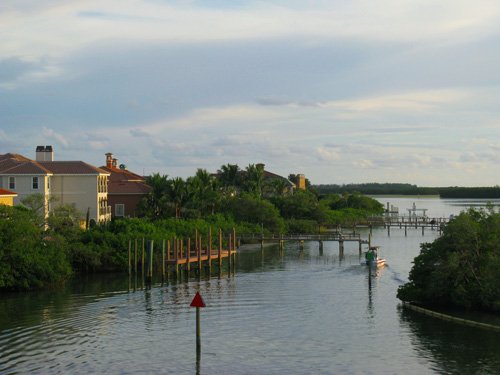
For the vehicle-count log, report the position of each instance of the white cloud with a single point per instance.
(51, 134)
(61, 27)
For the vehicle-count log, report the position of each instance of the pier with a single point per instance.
(180, 255)
(300, 238)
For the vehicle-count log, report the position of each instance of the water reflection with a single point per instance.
(448, 347)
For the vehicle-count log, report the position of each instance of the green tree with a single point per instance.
(156, 204)
(254, 179)
(230, 177)
(203, 192)
(29, 257)
(460, 268)
(248, 208)
(178, 194)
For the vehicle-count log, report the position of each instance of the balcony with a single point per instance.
(104, 213)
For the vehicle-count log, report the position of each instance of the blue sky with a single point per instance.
(342, 91)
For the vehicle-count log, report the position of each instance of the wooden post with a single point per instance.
(406, 230)
(135, 257)
(142, 265)
(188, 255)
(163, 260)
(234, 247)
(209, 250)
(149, 270)
(176, 256)
(129, 257)
(220, 250)
(199, 256)
(229, 246)
(388, 230)
(423, 229)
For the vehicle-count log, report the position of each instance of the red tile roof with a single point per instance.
(7, 192)
(122, 181)
(18, 164)
(70, 167)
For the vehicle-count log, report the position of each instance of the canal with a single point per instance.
(293, 312)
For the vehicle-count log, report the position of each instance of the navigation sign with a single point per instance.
(197, 301)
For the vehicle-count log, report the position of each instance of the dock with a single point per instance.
(182, 255)
(300, 238)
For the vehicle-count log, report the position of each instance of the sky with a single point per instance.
(343, 91)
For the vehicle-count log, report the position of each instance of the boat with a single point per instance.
(372, 258)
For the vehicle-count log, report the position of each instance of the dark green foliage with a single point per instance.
(247, 208)
(29, 257)
(409, 189)
(300, 226)
(461, 268)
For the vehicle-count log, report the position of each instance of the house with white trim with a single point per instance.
(69, 182)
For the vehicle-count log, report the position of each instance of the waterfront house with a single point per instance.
(60, 182)
(125, 188)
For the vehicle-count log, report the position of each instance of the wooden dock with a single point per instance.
(282, 238)
(183, 254)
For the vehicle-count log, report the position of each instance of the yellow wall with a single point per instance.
(8, 201)
(301, 182)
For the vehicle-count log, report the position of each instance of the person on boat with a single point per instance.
(370, 255)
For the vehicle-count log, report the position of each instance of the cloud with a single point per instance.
(51, 134)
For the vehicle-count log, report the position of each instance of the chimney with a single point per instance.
(49, 153)
(109, 160)
(44, 153)
(40, 153)
(114, 162)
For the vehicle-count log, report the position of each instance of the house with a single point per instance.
(125, 188)
(7, 197)
(60, 182)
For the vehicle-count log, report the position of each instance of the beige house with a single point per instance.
(68, 182)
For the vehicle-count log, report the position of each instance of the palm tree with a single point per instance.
(156, 203)
(178, 194)
(230, 176)
(203, 189)
(254, 179)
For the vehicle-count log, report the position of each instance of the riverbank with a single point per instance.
(457, 319)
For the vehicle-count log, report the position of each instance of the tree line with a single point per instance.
(409, 189)
(37, 252)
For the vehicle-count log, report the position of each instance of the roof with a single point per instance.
(7, 192)
(122, 181)
(128, 187)
(18, 164)
(71, 167)
(117, 174)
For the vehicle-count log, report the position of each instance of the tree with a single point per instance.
(156, 204)
(460, 268)
(254, 179)
(29, 257)
(203, 192)
(178, 194)
(248, 208)
(229, 175)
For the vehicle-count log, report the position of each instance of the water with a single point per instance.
(296, 313)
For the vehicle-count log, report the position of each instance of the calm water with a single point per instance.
(294, 313)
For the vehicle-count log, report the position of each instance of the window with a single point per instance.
(12, 183)
(119, 210)
(48, 183)
(34, 183)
